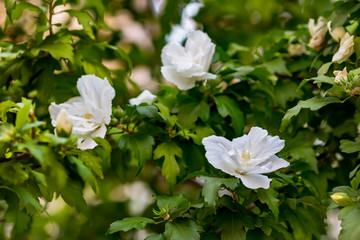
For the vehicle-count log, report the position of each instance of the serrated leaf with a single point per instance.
(84, 172)
(27, 199)
(228, 107)
(348, 146)
(170, 167)
(58, 50)
(93, 162)
(313, 104)
(176, 205)
(140, 144)
(73, 195)
(350, 218)
(268, 196)
(190, 111)
(43, 154)
(129, 223)
(278, 66)
(181, 229)
(13, 172)
(84, 19)
(212, 186)
(18, 11)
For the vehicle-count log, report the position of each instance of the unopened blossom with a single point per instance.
(317, 32)
(340, 75)
(145, 97)
(346, 48)
(183, 66)
(89, 112)
(63, 124)
(246, 157)
(297, 49)
(336, 33)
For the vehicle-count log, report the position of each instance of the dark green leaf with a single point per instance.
(269, 196)
(189, 112)
(181, 229)
(212, 186)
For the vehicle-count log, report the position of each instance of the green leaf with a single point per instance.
(22, 116)
(212, 186)
(5, 107)
(324, 68)
(175, 205)
(10, 6)
(232, 227)
(268, 196)
(277, 66)
(73, 195)
(27, 199)
(355, 181)
(181, 229)
(84, 172)
(149, 111)
(155, 237)
(13, 172)
(228, 107)
(306, 154)
(350, 218)
(21, 7)
(58, 50)
(93, 162)
(42, 153)
(129, 223)
(84, 19)
(140, 144)
(313, 104)
(170, 167)
(123, 55)
(348, 146)
(190, 111)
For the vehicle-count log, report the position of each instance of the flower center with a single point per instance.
(88, 116)
(245, 156)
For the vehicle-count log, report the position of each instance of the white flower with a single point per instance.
(145, 97)
(297, 49)
(337, 33)
(318, 32)
(183, 66)
(64, 124)
(346, 48)
(246, 157)
(340, 75)
(90, 112)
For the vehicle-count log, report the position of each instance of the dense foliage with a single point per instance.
(151, 171)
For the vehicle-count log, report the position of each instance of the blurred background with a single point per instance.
(141, 28)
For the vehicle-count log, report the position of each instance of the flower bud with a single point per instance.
(341, 199)
(63, 124)
(340, 76)
(118, 112)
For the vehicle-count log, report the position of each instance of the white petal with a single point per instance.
(255, 181)
(145, 97)
(88, 143)
(97, 95)
(173, 53)
(218, 151)
(261, 145)
(272, 164)
(171, 75)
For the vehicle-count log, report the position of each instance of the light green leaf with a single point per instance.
(129, 223)
(149, 111)
(348, 146)
(324, 68)
(155, 237)
(268, 196)
(181, 229)
(93, 162)
(313, 104)
(170, 167)
(84, 172)
(175, 205)
(22, 116)
(21, 7)
(27, 199)
(212, 186)
(229, 107)
(58, 49)
(350, 218)
(84, 19)
(277, 66)
(5, 107)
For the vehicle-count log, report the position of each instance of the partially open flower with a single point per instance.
(346, 48)
(337, 33)
(63, 124)
(145, 97)
(297, 49)
(246, 157)
(318, 32)
(90, 112)
(183, 66)
(340, 75)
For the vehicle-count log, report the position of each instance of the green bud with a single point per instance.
(114, 121)
(341, 199)
(118, 112)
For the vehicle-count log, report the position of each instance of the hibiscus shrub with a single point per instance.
(238, 142)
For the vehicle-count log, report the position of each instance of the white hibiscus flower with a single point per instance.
(145, 97)
(183, 66)
(246, 157)
(90, 112)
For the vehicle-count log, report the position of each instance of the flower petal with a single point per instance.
(218, 151)
(262, 146)
(272, 164)
(145, 97)
(88, 143)
(171, 75)
(255, 181)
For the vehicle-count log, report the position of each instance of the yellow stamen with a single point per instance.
(245, 156)
(88, 116)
